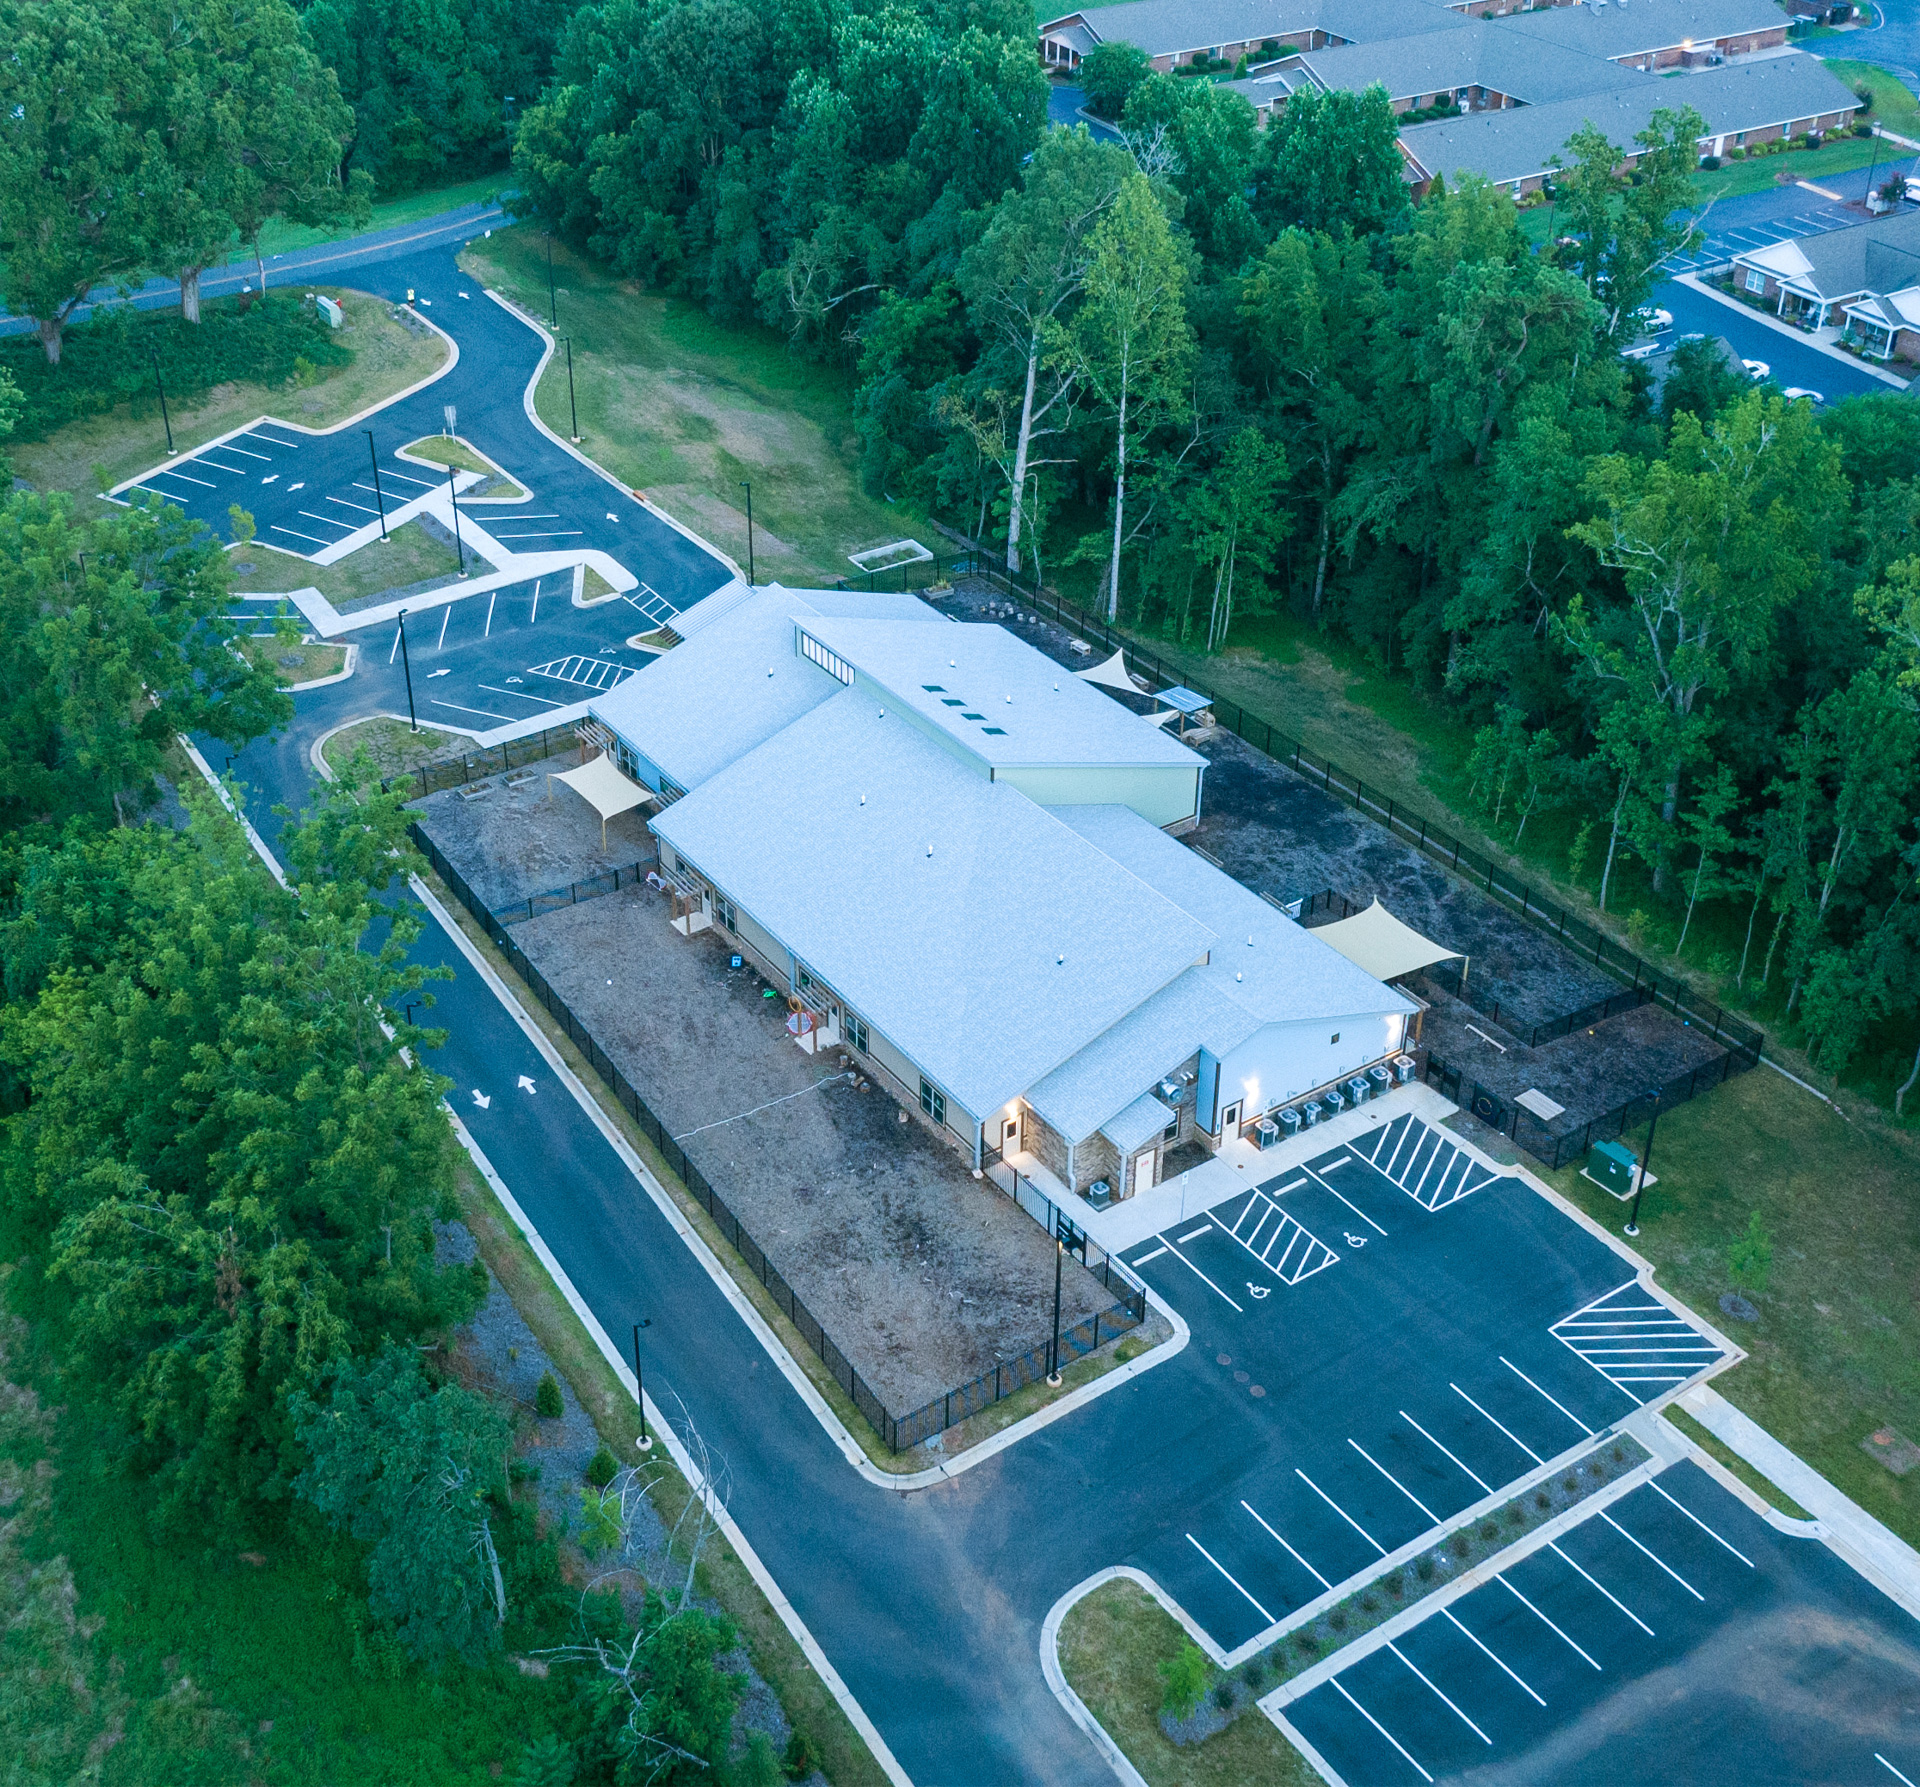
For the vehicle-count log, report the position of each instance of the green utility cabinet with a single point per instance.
(1613, 1166)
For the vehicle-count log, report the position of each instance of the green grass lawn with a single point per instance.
(87, 456)
(1111, 1646)
(1760, 173)
(1894, 103)
(442, 449)
(279, 237)
(393, 746)
(684, 408)
(1835, 1353)
(408, 555)
(294, 661)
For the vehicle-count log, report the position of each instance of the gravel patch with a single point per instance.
(511, 843)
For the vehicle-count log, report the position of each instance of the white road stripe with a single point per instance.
(275, 527)
(1395, 1481)
(1484, 1651)
(254, 434)
(1194, 1234)
(168, 472)
(1451, 1707)
(1336, 1507)
(424, 483)
(1553, 1545)
(1224, 1571)
(1537, 1614)
(1888, 1766)
(1375, 1723)
(1350, 1204)
(1701, 1524)
(362, 507)
(487, 713)
(520, 695)
(1297, 1558)
(1557, 1403)
(1145, 1257)
(1425, 1435)
(330, 520)
(1204, 1279)
(229, 447)
(1508, 1431)
(1635, 1543)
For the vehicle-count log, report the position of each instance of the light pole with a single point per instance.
(165, 419)
(572, 408)
(380, 502)
(453, 502)
(406, 667)
(1646, 1154)
(1053, 1347)
(748, 488)
(645, 1442)
(553, 301)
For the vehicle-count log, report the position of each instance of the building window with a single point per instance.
(828, 661)
(857, 1032)
(1335, 1037)
(1172, 1131)
(723, 910)
(1756, 281)
(933, 1101)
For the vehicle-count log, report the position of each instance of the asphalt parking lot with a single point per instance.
(1417, 1334)
(1670, 1635)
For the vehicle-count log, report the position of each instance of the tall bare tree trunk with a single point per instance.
(1017, 498)
(190, 293)
(1119, 508)
(1900, 1097)
(49, 331)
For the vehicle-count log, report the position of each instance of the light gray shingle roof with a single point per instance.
(1636, 27)
(1138, 1124)
(1477, 55)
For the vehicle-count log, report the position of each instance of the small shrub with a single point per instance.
(1461, 1543)
(798, 1761)
(1185, 1674)
(1309, 1644)
(1256, 1675)
(1423, 1566)
(1750, 1258)
(547, 1402)
(1570, 1482)
(1337, 1619)
(1368, 1604)
(602, 1468)
(1619, 1453)
(1516, 1517)
(1542, 1500)
(1223, 1695)
(1397, 1586)
(1490, 1531)
(759, 1767)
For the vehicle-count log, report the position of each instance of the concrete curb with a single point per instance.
(1880, 1555)
(351, 664)
(1076, 1708)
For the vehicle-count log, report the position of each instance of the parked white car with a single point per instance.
(1757, 369)
(1652, 320)
(1641, 350)
(1794, 392)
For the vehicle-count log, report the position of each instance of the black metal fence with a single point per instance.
(898, 1431)
(1518, 896)
(1449, 978)
(495, 760)
(608, 881)
(1529, 1132)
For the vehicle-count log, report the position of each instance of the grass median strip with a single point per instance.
(1724, 1455)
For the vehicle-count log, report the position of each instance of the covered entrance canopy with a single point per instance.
(1379, 943)
(604, 789)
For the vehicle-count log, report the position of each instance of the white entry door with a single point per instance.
(1143, 1170)
(1009, 1136)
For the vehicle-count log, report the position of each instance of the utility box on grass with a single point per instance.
(1613, 1167)
(329, 309)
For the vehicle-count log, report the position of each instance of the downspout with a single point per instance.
(979, 1152)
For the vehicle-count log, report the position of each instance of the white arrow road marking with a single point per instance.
(300, 486)
(526, 1082)
(611, 516)
(481, 1099)
(431, 674)
(270, 478)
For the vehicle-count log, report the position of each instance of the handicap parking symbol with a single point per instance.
(1258, 1290)
(1356, 1240)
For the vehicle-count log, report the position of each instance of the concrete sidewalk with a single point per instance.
(1882, 1556)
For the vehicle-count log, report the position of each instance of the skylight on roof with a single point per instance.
(996, 731)
(933, 688)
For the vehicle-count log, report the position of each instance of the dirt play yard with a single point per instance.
(924, 1276)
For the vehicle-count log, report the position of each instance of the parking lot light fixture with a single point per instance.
(748, 488)
(645, 1442)
(380, 502)
(453, 503)
(406, 669)
(1053, 1350)
(553, 300)
(166, 420)
(1646, 1155)
(573, 409)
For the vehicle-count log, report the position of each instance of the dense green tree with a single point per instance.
(1235, 522)
(1332, 161)
(1108, 74)
(1207, 138)
(419, 1475)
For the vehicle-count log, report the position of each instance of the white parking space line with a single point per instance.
(1451, 1706)
(1541, 1617)
(1194, 1234)
(1145, 1257)
(1384, 1732)
(1474, 1640)
(1554, 1547)
(1508, 1431)
(1291, 1185)
(1425, 1435)
(1301, 1253)
(254, 434)
(1701, 1524)
(1204, 1279)
(563, 533)
(1350, 1204)
(424, 483)
(492, 598)
(166, 472)
(1336, 1507)
(245, 452)
(1334, 1165)
(1635, 1543)
(484, 712)
(1557, 1403)
(238, 471)
(1395, 1481)
(1224, 1571)
(362, 507)
(1288, 1549)
(330, 520)
(446, 616)
(1888, 1766)
(294, 533)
